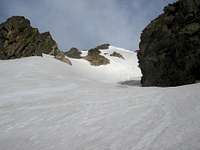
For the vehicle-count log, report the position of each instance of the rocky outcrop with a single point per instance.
(115, 54)
(95, 58)
(93, 55)
(19, 39)
(169, 52)
(73, 53)
(61, 56)
(103, 46)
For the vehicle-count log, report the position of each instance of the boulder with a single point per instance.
(169, 52)
(19, 39)
(115, 54)
(73, 53)
(95, 58)
(61, 56)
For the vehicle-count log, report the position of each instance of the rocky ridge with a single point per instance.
(19, 39)
(93, 55)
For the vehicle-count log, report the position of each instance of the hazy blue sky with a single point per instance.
(86, 23)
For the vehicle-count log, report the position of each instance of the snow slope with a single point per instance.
(48, 105)
(118, 69)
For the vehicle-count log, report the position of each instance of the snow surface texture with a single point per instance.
(48, 105)
(118, 70)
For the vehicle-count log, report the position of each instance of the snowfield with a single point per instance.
(118, 69)
(48, 105)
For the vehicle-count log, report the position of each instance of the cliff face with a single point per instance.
(19, 39)
(169, 52)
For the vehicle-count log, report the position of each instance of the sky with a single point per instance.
(87, 23)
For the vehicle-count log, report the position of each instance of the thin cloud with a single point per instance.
(86, 23)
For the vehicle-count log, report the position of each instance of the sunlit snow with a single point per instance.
(48, 105)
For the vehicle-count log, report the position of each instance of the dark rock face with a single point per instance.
(46, 44)
(115, 54)
(73, 53)
(95, 58)
(103, 46)
(169, 52)
(19, 39)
